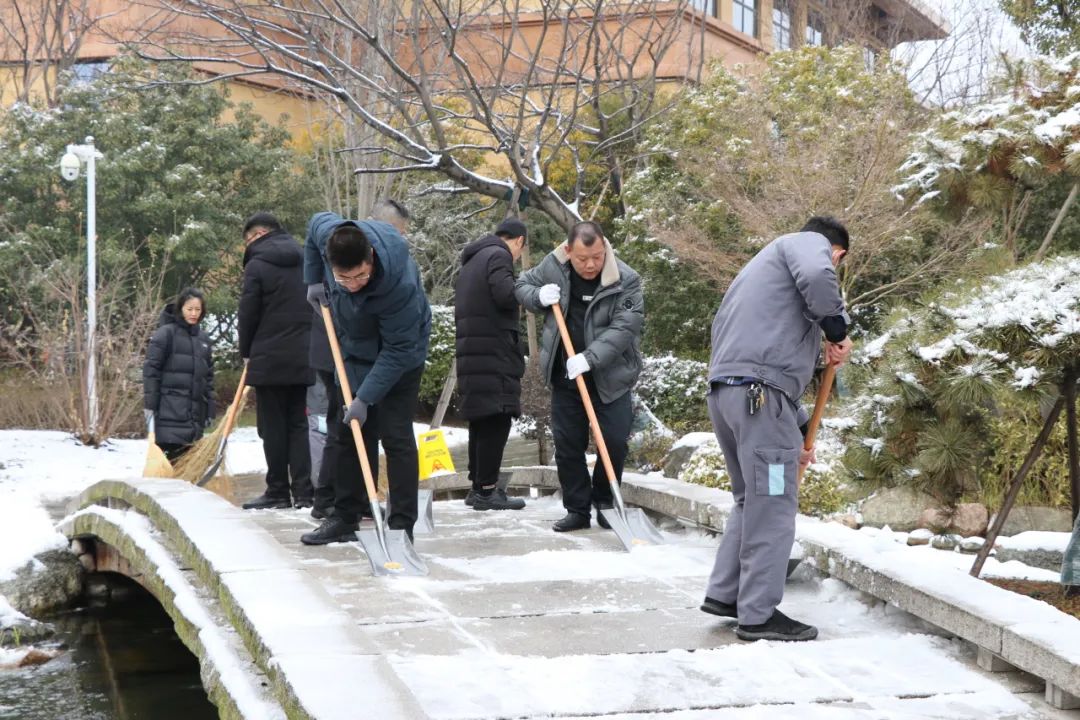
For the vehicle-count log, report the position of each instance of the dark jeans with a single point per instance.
(487, 440)
(389, 421)
(570, 428)
(324, 489)
(281, 417)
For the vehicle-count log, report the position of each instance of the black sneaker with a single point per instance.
(497, 500)
(470, 499)
(301, 503)
(572, 521)
(720, 609)
(600, 519)
(332, 530)
(267, 502)
(778, 627)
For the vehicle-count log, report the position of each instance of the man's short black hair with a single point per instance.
(586, 232)
(830, 227)
(263, 220)
(348, 247)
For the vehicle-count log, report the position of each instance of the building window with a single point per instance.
(745, 19)
(815, 29)
(707, 7)
(88, 72)
(781, 25)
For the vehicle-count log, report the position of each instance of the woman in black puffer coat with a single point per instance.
(178, 376)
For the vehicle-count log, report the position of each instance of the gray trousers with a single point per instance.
(761, 452)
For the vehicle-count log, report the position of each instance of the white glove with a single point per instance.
(549, 295)
(576, 365)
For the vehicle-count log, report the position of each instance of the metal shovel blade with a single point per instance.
(634, 529)
(399, 556)
(425, 520)
(792, 563)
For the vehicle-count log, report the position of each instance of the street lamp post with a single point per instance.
(69, 170)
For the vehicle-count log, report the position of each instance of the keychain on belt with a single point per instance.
(755, 397)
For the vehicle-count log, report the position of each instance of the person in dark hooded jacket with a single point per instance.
(364, 273)
(275, 331)
(178, 376)
(489, 361)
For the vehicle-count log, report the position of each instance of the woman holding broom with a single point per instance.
(178, 376)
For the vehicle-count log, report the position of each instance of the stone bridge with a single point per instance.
(515, 621)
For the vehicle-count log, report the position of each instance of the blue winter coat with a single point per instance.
(384, 327)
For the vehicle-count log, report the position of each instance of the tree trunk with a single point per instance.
(1014, 488)
(1046, 245)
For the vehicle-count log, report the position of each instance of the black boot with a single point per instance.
(720, 609)
(322, 513)
(304, 502)
(497, 500)
(572, 521)
(470, 499)
(600, 519)
(268, 502)
(778, 627)
(332, 530)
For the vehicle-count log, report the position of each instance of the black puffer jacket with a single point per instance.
(274, 317)
(489, 360)
(178, 379)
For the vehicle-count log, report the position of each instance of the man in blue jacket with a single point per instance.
(766, 338)
(364, 272)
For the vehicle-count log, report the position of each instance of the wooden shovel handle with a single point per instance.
(346, 392)
(819, 409)
(601, 446)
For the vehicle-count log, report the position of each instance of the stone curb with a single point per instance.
(187, 629)
(260, 587)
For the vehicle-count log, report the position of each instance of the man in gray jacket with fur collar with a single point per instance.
(604, 307)
(766, 338)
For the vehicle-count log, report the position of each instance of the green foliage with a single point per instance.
(176, 182)
(822, 494)
(675, 390)
(441, 350)
(950, 396)
(1050, 26)
(648, 450)
(707, 467)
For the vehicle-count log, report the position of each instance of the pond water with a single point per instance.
(121, 660)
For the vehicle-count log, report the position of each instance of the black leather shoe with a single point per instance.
(497, 500)
(332, 530)
(600, 519)
(778, 627)
(267, 502)
(572, 521)
(301, 503)
(720, 609)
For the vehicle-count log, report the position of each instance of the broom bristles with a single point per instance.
(193, 464)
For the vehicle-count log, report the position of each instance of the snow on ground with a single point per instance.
(1036, 540)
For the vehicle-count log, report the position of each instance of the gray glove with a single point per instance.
(316, 295)
(148, 415)
(356, 410)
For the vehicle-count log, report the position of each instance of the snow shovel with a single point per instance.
(811, 432)
(225, 428)
(157, 465)
(631, 525)
(389, 551)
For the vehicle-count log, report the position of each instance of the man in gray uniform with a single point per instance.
(766, 338)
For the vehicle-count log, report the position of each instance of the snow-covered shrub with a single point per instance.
(707, 467)
(648, 450)
(675, 390)
(440, 353)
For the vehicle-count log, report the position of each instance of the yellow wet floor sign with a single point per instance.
(434, 455)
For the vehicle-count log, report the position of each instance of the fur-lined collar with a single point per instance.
(609, 275)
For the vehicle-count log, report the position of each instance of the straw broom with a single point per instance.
(193, 464)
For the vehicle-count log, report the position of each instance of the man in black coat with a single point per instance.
(275, 333)
(489, 361)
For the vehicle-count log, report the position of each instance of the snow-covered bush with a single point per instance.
(441, 349)
(706, 467)
(944, 391)
(675, 390)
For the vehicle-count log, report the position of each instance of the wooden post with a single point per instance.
(1014, 488)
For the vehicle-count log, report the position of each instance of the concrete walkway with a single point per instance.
(516, 621)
